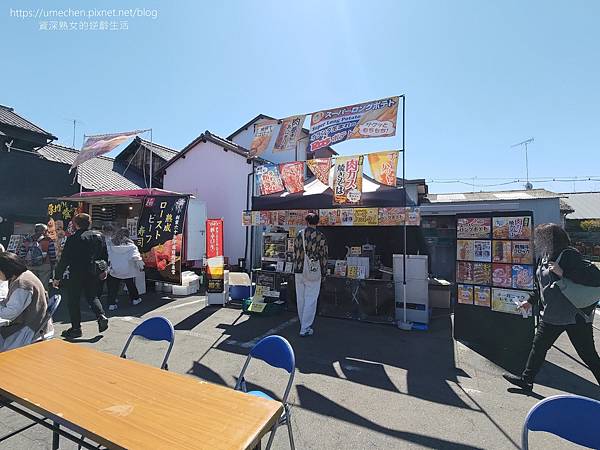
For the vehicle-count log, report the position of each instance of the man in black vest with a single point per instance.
(82, 254)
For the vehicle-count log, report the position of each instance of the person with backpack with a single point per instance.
(310, 263)
(39, 253)
(125, 263)
(568, 288)
(86, 257)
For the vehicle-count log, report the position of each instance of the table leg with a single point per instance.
(55, 436)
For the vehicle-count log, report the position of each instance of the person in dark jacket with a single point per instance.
(559, 314)
(80, 253)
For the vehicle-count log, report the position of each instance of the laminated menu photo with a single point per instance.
(508, 300)
(464, 272)
(465, 294)
(502, 252)
(502, 275)
(465, 250)
(522, 253)
(482, 273)
(482, 296)
(482, 251)
(522, 277)
(473, 227)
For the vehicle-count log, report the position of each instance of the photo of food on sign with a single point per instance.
(464, 272)
(501, 226)
(522, 277)
(473, 227)
(512, 228)
(508, 300)
(502, 252)
(465, 294)
(465, 250)
(482, 296)
(522, 252)
(502, 275)
(160, 237)
(482, 251)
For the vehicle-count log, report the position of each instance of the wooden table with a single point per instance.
(120, 403)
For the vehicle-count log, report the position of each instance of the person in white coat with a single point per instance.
(125, 263)
(310, 262)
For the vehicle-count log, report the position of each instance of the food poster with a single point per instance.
(292, 175)
(160, 236)
(330, 217)
(413, 216)
(366, 216)
(214, 255)
(508, 300)
(264, 218)
(482, 273)
(502, 252)
(391, 216)
(60, 226)
(482, 296)
(347, 216)
(518, 228)
(465, 250)
(296, 217)
(320, 167)
(262, 136)
(474, 228)
(482, 251)
(522, 277)
(465, 294)
(347, 180)
(384, 166)
(464, 272)
(502, 275)
(268, 179)
(289, 133)
(365, 120)
(522, 252)
(246, 218)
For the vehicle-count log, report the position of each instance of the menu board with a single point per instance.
(494, 255)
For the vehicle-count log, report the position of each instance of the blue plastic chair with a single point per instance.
(154, 329)
(571, 417)
(277, 352)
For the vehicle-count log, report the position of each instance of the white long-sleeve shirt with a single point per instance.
(16, 304)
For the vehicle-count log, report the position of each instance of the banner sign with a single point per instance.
(160, 236)
(320, 167)
(268, 180)
(214, 255)
(289, 133)
(99, 145)
(292, 174)
(384, 166)
(60, 225)
(262, 136)
(347, 180)
(365, 120)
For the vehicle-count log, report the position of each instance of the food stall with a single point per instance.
(362, 242)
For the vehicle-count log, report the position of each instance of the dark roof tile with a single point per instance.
(8, 116)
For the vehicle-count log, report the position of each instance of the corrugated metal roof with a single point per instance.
(492, 196)
(98, 174)
(586, 205)
(8, 116)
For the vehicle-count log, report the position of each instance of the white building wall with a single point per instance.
(219, 178)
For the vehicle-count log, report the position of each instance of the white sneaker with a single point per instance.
(112, 307)
(136, 302)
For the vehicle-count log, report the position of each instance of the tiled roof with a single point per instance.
(163, 152)
(492, 196)
(8, 116)
(585, 205)
(98, 174)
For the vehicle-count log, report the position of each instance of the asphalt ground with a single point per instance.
(357, 386)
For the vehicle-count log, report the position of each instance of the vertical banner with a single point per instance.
(60, 226)
(289, 133)
(347, 180)
(292, 174)
(268, 180)
(320, 167)
(160, 236)
(262, 136)
(384, 166)
(215, 256)
(365, 120)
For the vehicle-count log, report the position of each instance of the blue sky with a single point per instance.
(478, 76)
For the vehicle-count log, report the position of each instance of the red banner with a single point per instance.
(292, 175)
(214, 255)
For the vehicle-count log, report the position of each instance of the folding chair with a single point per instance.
(53, 304)
(277, 352)
(154, 329)
(570, 417)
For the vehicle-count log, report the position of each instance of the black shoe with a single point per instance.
(72, 333)
(102, 324)
(518, 381)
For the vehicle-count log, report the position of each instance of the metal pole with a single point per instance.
(526, 165)
(151, 165)
(404, 325)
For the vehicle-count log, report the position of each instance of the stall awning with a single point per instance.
(317, 195)
(116, 197)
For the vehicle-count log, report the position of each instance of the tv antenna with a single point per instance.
(524, 144)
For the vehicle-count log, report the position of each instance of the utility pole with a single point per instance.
(74, 126)
(524, 144)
